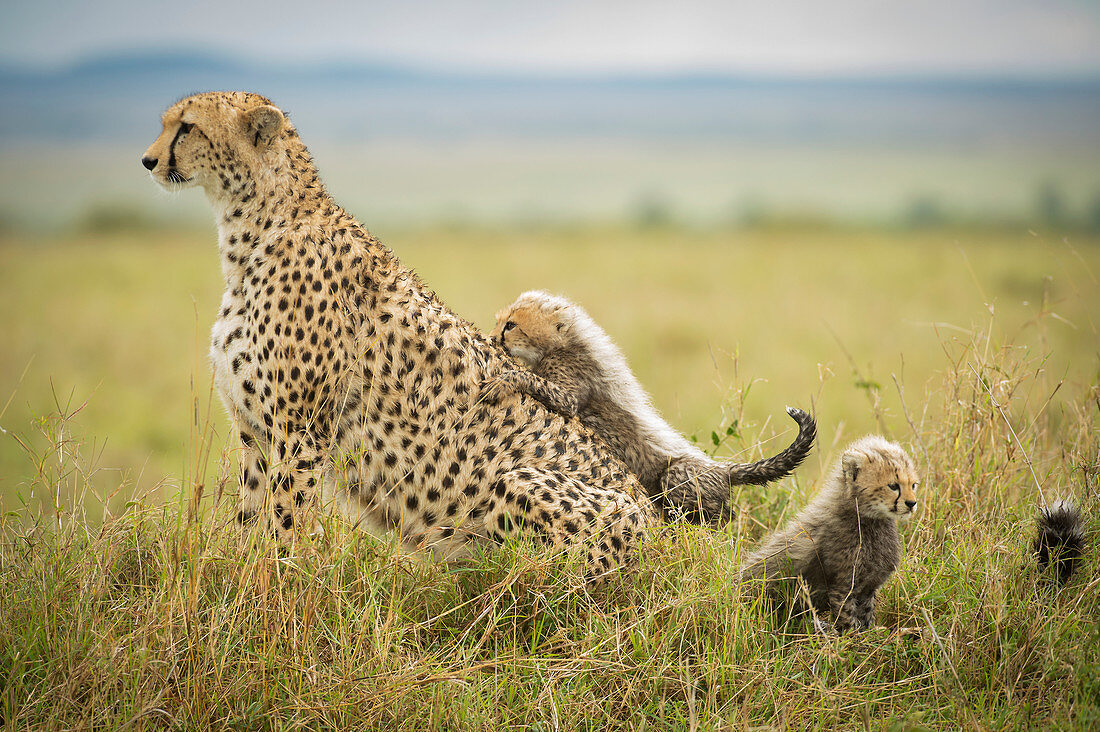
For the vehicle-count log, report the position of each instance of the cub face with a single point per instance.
(882, 478)
(531, 327)
(216, 140)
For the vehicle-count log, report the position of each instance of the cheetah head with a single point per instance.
(536, 324)
(217, 140)
(881, 477)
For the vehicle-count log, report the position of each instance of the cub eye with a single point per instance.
(895, 487)
(508, 326)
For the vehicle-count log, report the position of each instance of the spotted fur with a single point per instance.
(350, 381)
(576, 369)
(845, 543)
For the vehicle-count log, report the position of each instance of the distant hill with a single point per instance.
(115, 98)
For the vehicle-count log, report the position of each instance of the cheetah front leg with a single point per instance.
(563, 512)
(253, 476)
(279, 486)
(554, 397)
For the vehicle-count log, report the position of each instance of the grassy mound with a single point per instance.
(160, 616)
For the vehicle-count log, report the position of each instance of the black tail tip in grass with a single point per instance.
(1061, 538)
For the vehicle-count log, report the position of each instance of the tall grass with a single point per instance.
(161, 616)
(720, 326)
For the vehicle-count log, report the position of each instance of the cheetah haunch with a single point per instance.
(344, 373)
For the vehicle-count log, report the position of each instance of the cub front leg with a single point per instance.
(853, 610)
(554, 397)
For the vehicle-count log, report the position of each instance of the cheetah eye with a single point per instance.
(185, 127)
(895, 487)
(508, 326)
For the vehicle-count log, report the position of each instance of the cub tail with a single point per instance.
(1061, 538)
(781, 465)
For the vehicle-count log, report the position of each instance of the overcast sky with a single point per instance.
(581, 36)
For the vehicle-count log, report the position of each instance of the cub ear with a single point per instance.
(263, 124)
(852, 463)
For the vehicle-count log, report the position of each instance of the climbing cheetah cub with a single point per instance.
(845, 544)
(576, 370)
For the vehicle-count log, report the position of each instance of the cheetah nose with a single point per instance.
(910, 504)
(148, 162)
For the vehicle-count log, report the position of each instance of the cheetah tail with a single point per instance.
(1061, 538)
(783, 464)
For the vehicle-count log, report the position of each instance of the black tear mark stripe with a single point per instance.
(180, 132)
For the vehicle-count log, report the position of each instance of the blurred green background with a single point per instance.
(763, 205)
(724, 327)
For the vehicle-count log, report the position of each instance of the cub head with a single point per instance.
(881, 477)
(536, 324)
(218, 140)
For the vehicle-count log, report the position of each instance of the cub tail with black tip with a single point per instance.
(781, 465)
(1060, 542)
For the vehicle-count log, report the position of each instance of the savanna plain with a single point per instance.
(127, 599)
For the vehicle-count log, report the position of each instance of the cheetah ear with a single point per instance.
(264, 123)
(852, 463)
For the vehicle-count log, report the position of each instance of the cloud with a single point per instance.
(1017, 36)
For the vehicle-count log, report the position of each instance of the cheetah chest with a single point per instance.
(234, 363)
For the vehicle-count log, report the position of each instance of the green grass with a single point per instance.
(160, 616)
(720, 326)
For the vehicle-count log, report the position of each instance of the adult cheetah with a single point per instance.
(344, 373)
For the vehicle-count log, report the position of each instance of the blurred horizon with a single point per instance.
(402, 146)
(701, 114)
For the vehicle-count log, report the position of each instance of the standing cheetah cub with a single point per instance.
(576, 370)
(845, 544)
